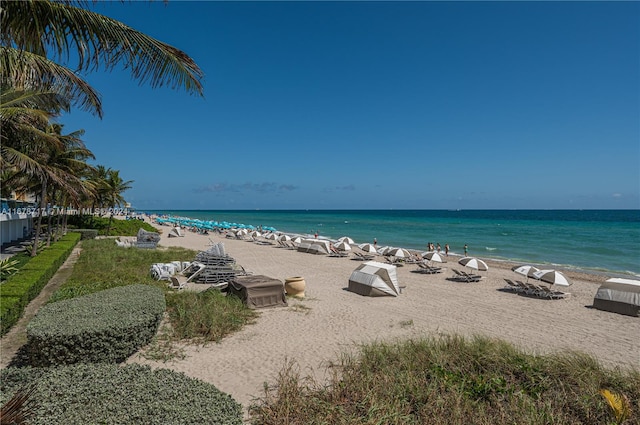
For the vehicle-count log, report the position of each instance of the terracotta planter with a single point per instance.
(295, 286)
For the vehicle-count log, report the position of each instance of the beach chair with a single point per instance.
(532, 289)
(471, 277)
(176, 282)
(363, 257)
(512, 286)
(335, 253)
(427, 269)
(461, 276)
(551, 294)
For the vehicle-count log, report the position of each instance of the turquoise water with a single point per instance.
(595, 240)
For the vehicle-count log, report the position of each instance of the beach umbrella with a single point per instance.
(433, 256)
(284, 238)
(347, 239)
(398, 252)
(297, 239)
(368, 247)
(526, 270)
(256, 234)
(553, 277)
(473, 263)
(271, 236)
(343, 246)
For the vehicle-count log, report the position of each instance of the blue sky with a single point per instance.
(367, 105)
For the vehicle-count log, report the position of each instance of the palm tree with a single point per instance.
(55, 166)
(113, 194)
(33, 30)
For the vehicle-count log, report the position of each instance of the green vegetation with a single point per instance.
(26, 284)
(203, 317)
(207, 316)
(455, 381)
(8, 267)
(37, 156)
(112, 394)
(118, 227)
(104, 327)
(103, 265)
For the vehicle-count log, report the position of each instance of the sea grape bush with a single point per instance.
(103, 327)
(112, 394)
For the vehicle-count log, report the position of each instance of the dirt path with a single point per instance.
(15, 339)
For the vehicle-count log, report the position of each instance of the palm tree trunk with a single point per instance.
(109, 225)
(34, 249)
(49, 213)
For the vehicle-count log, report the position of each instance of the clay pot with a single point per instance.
(294, 286)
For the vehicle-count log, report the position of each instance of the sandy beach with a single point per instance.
(331, 320)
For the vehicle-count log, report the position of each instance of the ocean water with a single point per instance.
(606, 241)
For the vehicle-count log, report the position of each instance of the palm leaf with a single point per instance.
(41, 27)
(25, 70)
(619, 405)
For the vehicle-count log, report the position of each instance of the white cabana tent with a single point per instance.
(619, 296)
(175, 232)
(374, 279)
(314, 246)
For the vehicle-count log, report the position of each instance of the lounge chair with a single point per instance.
(551, 294)
(465, 277)
(425, 268)
(531, 289)
(177, 282)
(335, 253)
(512, 286)
(363, 257)
(180, 280)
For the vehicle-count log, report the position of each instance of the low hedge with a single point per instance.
(19, 289)
(103, 327)
(111, 394)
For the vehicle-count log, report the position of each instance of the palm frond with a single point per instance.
(98, 41)
(24, 70)
(619, 404)
(19, 408)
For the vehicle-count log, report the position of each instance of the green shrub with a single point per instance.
(86, 233)
(104, 327)
(22, 287)
(110, 394)
(118, 227)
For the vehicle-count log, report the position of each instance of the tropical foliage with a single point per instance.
(45, 46)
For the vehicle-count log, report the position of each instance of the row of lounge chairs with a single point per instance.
(461, 276)
(532, 289)
(286, 245)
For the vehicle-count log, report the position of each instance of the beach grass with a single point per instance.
(206, 316)
(453, 380)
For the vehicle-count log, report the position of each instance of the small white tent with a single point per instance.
(314, 246)
(175, 232)
(619, 296)
(374, 279)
